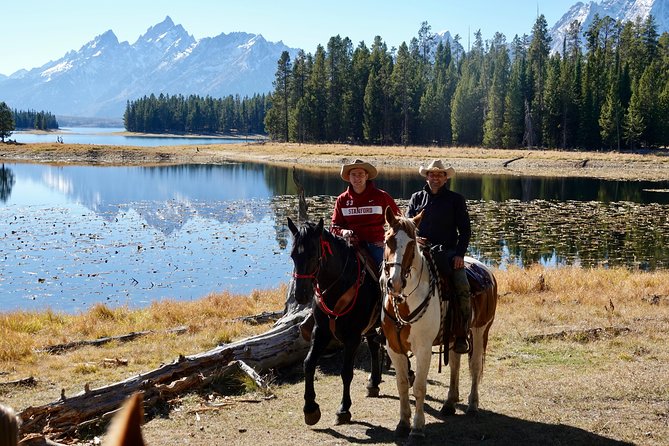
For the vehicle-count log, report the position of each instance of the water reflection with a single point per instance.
(114, 137)
(76, 235)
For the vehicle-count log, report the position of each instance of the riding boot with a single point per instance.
(463, 297)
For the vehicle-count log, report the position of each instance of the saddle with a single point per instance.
(452, 324)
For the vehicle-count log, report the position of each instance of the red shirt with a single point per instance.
(363, 213)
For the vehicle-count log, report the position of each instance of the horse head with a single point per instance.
(307, 254)
(400, 251)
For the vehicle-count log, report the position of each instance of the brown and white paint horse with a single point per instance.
(413, 312)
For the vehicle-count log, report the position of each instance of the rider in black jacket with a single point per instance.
(445, 225)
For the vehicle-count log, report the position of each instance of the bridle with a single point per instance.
(398, 298)
(325, 248)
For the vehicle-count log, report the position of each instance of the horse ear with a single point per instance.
(416, 220)
(320, 226)
(390, 216)
(292, 226)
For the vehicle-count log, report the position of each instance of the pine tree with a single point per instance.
(494, 120)
(360, 75)
(537, 55)
(277, 121)
(6, 121)
(635, 126)
(402, 80)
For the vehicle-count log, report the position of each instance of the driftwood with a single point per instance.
(262, 318)
(60, 348)
(281, 346)
(30, 381)
(506, 163)
(585, 335)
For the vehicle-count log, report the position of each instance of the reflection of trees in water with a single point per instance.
(572, 232)
(7, 181)
(550, 232)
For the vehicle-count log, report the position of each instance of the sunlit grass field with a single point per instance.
(585, 348)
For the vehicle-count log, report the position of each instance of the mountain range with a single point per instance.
(624, 10)
(99, 78)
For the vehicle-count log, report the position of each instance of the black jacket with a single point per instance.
(445, 218)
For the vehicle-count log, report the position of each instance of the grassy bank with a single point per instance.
(576, 356)
(652, 166)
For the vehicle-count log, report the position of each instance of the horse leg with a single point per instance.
(401, 365)
(319, 341)
(454, 387)
(350, 349)
(476, 368)
(423, 356)
(375, 353)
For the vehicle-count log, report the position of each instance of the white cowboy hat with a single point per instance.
(437, 166)
(358, 164)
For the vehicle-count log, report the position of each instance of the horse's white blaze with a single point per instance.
(395, 271)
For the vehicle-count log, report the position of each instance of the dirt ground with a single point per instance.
(650, 165)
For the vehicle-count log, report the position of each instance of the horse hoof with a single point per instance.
(373, 392)
(343, 418)
(472, 412)
(312, 418)
(402, 430)
(447, 410)
(417, 433)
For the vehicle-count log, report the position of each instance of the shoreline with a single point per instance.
(651, 166)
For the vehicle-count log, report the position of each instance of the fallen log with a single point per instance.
(61, 348)
(29, 381)
(281, 346)
(506, 163)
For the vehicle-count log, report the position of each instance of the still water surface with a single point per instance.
(110, 136)
(76, 235)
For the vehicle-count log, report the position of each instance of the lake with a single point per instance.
(73, 236)
(110, 136)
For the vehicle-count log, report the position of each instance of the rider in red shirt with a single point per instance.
(359, 210)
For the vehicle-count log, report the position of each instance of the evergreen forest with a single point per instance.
(608, 91)
(195, 114)
(32, 119)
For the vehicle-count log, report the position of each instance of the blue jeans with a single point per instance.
(377, 253)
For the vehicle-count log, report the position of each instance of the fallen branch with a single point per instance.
(262, 318)
(30, 381)
(281, 346)
(586, 335)
(61, 348)
(506, 163)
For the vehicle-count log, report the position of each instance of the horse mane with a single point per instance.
(309, 226)
(405, 224)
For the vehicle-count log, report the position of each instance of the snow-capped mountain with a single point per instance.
(99, 78)
(624, 10)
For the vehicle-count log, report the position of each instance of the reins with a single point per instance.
(350, 293)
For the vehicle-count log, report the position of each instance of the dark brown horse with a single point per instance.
(346, 305)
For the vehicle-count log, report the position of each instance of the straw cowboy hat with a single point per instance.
(437, 166)
(358, 164)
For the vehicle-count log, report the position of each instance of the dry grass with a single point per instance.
(576, 356)
(475, 160)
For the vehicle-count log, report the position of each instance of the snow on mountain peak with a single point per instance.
(623, 10)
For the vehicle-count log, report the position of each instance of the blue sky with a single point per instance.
(40, 31)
